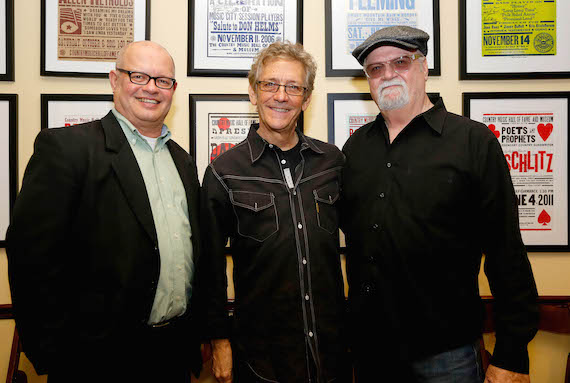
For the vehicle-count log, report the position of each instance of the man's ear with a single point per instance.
(306, 102)
(252, 95)
(113, 78)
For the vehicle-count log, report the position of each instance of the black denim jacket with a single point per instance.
(289, 307)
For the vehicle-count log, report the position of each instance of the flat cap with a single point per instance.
(400, 36)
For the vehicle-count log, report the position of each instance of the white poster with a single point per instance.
(533, 133)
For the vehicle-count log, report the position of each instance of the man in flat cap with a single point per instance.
(426, 192)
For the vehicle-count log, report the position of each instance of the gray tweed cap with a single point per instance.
(400, 36)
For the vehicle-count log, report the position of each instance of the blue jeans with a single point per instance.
(460, 365)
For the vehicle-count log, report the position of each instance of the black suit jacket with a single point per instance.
(82, 247)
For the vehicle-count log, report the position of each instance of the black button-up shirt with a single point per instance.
(289, 296)
(420, 211)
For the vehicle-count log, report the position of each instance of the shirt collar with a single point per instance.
(257, 144)
(434, 117)
(132, 133)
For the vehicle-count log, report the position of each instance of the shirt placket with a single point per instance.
(303, 259)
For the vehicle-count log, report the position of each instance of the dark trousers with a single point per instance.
(148, 355)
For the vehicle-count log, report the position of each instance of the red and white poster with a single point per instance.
(533, 133)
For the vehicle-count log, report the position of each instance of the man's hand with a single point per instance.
(222, 360)
(499, 375)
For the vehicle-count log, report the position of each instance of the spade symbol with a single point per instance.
(544, 218)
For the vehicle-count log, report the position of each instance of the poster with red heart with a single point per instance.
(533, 133)
(227, 130)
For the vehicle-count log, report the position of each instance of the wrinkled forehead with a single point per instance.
(149, 58)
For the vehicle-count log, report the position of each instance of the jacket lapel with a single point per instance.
(129, 175)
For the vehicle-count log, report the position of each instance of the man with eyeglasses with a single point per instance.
(425, 193)
(104, 239)
(275, 195)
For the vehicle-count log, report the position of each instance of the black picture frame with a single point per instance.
(221, 66)
(70, 103)
(204, 108)
(8, 53)
(355, 69)
(363, 101)
(51, 66)
(9, 190)
(507, 67)
(527, 104)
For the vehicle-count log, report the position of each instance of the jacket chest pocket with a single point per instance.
(256, 214)
(327, 215)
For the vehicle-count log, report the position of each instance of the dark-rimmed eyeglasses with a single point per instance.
(291, 90)
(399, 65)
(140, 78)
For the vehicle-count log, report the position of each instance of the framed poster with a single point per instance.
(533, 131)
(82, 38)
(217, 123)
(349, 111)
(514, 39)
(349, 22)
(7, 40)
(225, 36)
(8, 160)
(61, 110)
(346, 113)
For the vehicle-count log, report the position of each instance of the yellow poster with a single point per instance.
(518, 27)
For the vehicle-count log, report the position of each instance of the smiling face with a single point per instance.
(397, 90)
(145, 106)
(278, 112)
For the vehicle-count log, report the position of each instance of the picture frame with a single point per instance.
(61, 110)
(8, 160)
(7, 40)
(493, 46)
(207, 139)
(532, 128)
(224, 39)
(349, 23)
(70, 46)
(346, 112)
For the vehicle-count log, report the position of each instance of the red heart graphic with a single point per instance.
(493, 129)
(545, 130)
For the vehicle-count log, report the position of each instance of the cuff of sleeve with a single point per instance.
(511, 356)
(218, 330)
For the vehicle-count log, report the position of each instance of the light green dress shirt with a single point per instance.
(171, 219)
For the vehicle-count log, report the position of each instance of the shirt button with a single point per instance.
(283, 162)
(311, 334)
(271, 146)
(381, 195)
(176, 235)
(299, 225)
(389, 165)
(134, 141)
(307, 297)
(375, 227)
(304, 261)
(366, 288)
(371, 259)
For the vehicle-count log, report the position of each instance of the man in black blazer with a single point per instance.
(104, 239)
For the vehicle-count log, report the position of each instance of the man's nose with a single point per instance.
(281, 95)
(151, 86)
(389, 72)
